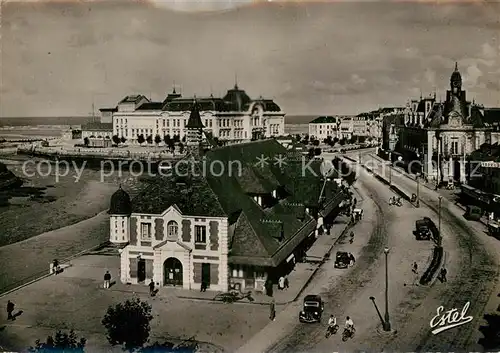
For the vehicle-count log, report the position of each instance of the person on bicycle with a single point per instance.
(332, 321)
(349, 325)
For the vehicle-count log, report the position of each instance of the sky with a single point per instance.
(59, 57)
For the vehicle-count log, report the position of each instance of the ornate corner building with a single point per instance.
(441, 135)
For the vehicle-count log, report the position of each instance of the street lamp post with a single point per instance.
(387, 323)
(418, 190)
(439, 222)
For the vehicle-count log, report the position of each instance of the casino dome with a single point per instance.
(120, 203)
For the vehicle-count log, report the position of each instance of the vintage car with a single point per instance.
(312, 309)
(357, 214)
(422, 230)
(473, 213)
(494, 229)
(341, 260)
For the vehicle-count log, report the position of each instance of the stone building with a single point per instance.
(221, 217)
(233, 118)
(443, 133)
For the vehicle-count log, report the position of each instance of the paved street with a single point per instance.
(472, 269)
(347, 292)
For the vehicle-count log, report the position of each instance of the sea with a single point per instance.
(46, 127)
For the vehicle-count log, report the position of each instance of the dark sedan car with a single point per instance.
(341, 260)
(312, 309)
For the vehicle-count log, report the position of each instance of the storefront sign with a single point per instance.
(490, 164)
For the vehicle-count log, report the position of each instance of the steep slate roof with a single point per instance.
(267, 105)
(492, 115)
(324, 120)
(304, 189)
(151, 106)
(133, 99)
(192, 195)
(194, 121)
(254, 232)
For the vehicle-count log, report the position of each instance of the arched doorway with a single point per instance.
(172, 272)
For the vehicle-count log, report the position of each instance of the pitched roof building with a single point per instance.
(234, 217)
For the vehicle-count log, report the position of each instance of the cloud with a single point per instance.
(311, 58)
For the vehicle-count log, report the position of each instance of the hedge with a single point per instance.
(434, 266)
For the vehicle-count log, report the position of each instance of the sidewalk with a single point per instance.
(429, 185)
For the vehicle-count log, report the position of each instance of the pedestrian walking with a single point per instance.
(55, 266)
(281, 283)
(287, 283)
(152, 288)
(272, 308)
(415, 268)
(269, 288)
(10, 310)
(443, 275)
(204, 286)
(107, 280)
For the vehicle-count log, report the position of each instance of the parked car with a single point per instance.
(312, 309)
(473, 213)
(341, 260)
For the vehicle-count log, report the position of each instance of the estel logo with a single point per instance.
(451, 318)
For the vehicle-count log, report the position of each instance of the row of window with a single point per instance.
(200, 232)
(239, 271)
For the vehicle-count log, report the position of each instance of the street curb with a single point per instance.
(405, 174)
(441, 264)
(323, 261)
(392, 186)
(64, 261)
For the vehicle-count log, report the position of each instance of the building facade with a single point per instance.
(232, 229)
(442, 134)
(324, 126)
(234, 118)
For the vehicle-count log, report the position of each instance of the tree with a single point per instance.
(128, 324)
(335, 140)
(62, 342)
(353, 139)
(157, 139)
(317, 151)
(315, 143)
(167, 139)
(86, 141)
(491, 332)
(181, 147)
(305, 141)
(184, 138)
(342, 141)
(141, 139)
(123, 140)
(310, 152)
(361, 139)
(177, 138)
(116, 139)
(149, 139)
(328, 140)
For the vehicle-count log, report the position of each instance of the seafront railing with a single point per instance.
(97, 153)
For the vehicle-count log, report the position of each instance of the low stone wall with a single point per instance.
(96, 153)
